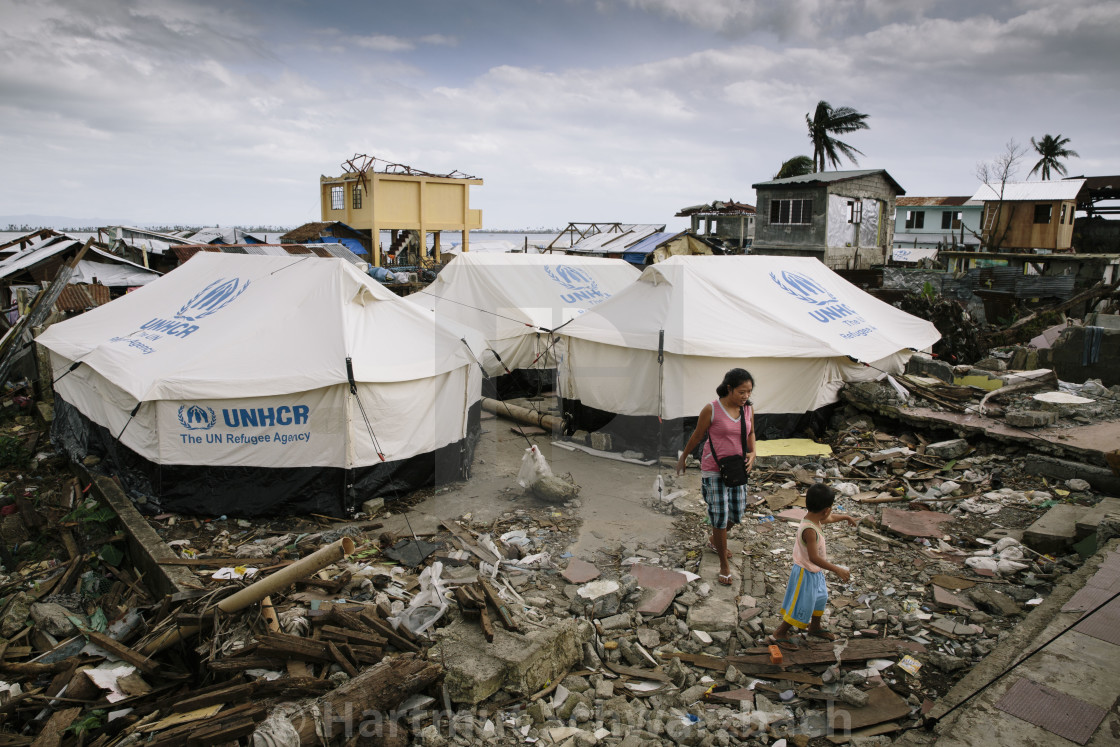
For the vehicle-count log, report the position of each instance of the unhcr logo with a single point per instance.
(197, 417)
(212, 298)
(804, 288)
(582, 286)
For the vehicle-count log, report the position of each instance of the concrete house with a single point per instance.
(843, 218)
(937, 222)
(730, 223)
(1029, 216)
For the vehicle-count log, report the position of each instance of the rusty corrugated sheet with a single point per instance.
(82, 297)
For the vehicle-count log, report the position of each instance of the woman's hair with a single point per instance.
(733, 379)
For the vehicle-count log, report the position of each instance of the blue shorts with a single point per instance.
(725, 505)
(806, 596)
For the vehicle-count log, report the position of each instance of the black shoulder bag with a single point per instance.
(732, 468)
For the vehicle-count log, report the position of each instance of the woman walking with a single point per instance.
(726, 427)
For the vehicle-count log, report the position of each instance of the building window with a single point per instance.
(915, 218)
(337, 197)
(950, 220)
(357, 194)
(1042, 212)
(784, 212)
(855, 211)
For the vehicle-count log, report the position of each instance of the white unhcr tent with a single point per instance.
(792, 322)
(515, 300)
(252, 385)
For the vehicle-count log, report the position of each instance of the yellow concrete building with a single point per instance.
(399, 199)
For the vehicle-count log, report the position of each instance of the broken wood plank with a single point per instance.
(503, 610)
(822, 653)
(52, 733)
(122, 652)
(637, 673)
(379, 626)
(346, 635)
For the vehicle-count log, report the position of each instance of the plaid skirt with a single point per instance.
(725, 505)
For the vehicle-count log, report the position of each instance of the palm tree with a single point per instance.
(1051, 149)
(796, 166)
(826, 122)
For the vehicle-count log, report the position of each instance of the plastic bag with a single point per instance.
(429, 604)
(533, 468)
(984, 564)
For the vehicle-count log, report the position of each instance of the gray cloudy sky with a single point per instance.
(227, 112)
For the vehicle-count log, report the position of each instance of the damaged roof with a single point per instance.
(934, 201)
(1065, 189)
(718, 208)
(823, 178)
(616, 241)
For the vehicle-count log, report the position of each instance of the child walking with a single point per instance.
(806, 593)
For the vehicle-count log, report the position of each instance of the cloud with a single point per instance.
(382, 43)
(440, 40)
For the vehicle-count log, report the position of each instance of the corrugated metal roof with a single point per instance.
(82, 297)
(934, 201)
(1065, 189)
(616, 241)
(43, 250)
(651, 242)
(828, 177)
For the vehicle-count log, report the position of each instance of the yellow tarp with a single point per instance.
(791, 447)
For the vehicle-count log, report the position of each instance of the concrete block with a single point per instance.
(948, 449)
(601, 441)
(923, 365)
(1056, 530)
(372, 506)
(1031, 418)
(519, 663)
(713, 614)
(991, 364)
(1101, 478)
(1107, 508)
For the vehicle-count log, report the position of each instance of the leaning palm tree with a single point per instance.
(796, 166)
(826, 122)
(1051, 149)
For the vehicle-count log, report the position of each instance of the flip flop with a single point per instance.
(827, 635)
(724, 579)
(712, 547)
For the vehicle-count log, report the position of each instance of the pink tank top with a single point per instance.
(726, 435)
(801, 552)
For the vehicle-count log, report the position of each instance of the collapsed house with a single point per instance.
(656, 351)
(516, 302)
(252, 385)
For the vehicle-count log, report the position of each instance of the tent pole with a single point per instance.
(660, 406)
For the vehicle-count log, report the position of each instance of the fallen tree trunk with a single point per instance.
(364, 704)
(523, 415)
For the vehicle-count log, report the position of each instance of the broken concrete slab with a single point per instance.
(915, 523)
(713, 614)
(580, 571)
(792, 514)
(600, 598)
(660, 586)
(1106, 509)
(994, 602)
(957, 447)
(520, 663)
(1055, 530)
(1031, 418)
(944, 598)
(923, 365)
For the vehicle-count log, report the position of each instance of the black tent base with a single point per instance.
(640, 432)
(206, 490)
(522, 382)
